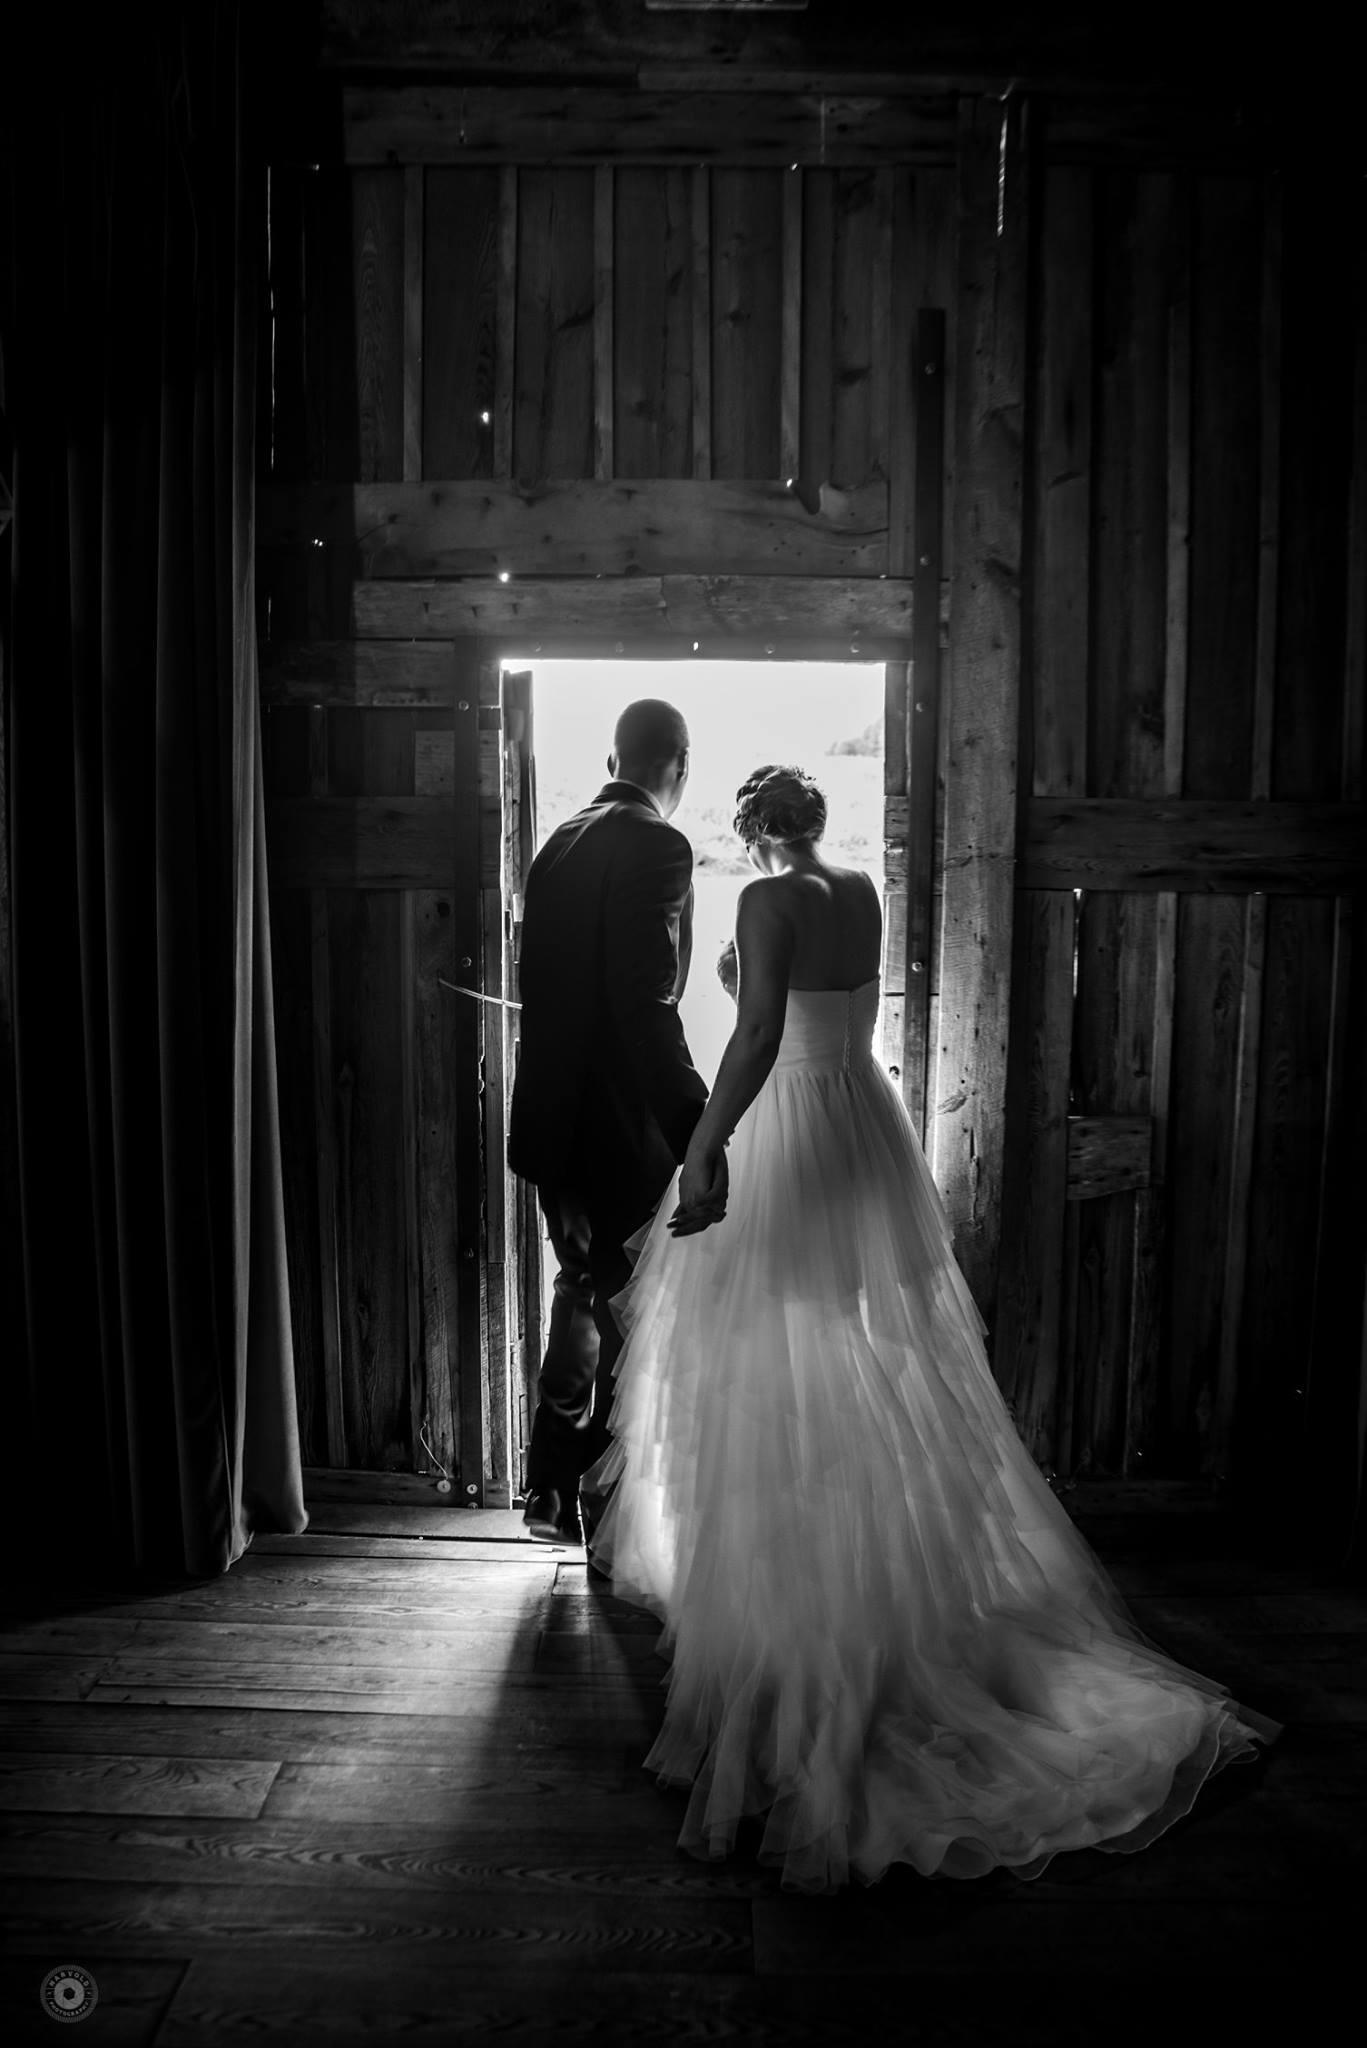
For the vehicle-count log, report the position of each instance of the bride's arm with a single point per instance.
(764, 947)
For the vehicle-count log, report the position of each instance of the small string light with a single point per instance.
(503, 575)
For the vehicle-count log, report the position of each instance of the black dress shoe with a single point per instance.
(553, 1517)
(592, 1508)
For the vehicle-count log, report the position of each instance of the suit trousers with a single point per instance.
(583, 1342)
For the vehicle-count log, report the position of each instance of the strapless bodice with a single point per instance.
(828, 1027)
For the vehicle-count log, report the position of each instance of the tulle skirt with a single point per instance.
(887, 1641)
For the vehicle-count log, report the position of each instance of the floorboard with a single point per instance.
(385, 1780)
(330, 1999)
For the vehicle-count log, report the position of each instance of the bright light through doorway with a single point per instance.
(825, 717)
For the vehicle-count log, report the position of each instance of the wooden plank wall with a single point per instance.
(630, 408)
(1192, 851)
(675, 406)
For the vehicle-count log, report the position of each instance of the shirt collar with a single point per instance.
(649, 794)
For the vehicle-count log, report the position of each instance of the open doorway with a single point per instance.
(826, 717)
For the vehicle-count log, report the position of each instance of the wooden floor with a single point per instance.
(382, 1781)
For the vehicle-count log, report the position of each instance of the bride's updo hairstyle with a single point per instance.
(782, 804)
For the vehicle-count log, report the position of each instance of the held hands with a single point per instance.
(703, 1187)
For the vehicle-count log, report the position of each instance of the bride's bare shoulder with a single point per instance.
(761, 900)
(853, 881)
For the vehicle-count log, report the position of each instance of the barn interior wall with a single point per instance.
(599, 377)
(1195, 691)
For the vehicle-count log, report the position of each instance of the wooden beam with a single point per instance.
(678, 526)
(661, 614)
(701, 116)
(880, 50)
(969, 1087)
(907, 1007)
(896, 812)
(1193, 843)
(569, 124)
(923, 710)
(390, 672)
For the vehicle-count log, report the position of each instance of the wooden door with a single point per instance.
(511, 1340)
(361, 838)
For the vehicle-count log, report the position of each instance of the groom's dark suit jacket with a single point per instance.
(606, 1094)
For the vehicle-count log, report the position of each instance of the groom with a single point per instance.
(606, 1094)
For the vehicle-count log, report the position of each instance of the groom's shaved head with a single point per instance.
(649, 736)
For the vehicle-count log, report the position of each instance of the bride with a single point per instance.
(888, 1642)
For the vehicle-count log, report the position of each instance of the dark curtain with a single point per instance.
(149, 1389)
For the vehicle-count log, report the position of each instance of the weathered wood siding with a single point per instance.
(1192, 830)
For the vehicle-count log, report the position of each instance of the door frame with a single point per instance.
(486, 1396)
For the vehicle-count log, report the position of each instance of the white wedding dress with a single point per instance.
(886, 1636)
